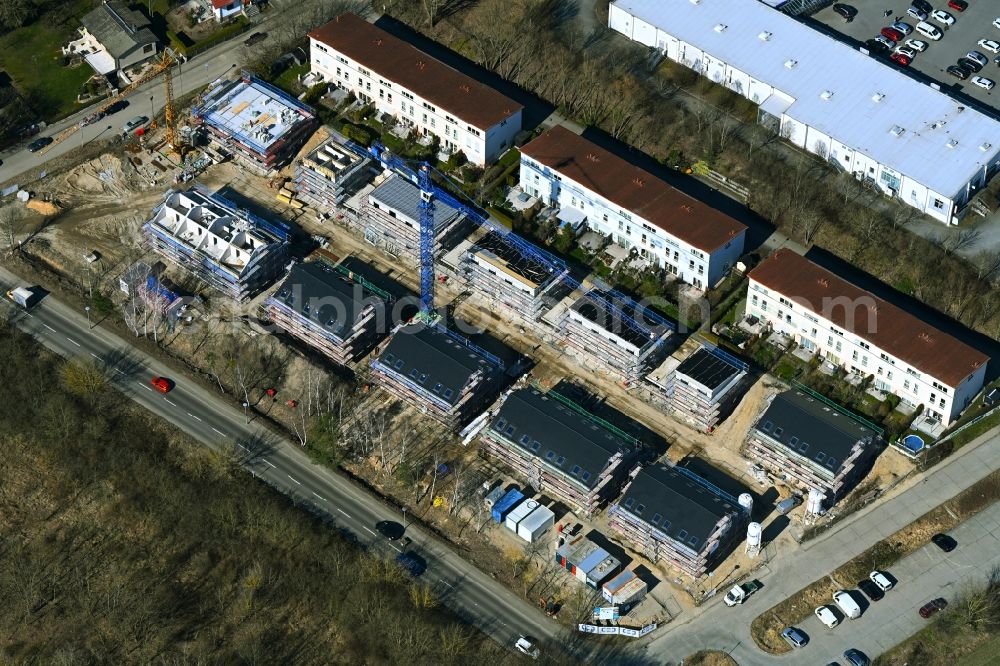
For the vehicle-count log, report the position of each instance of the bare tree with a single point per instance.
(10, 225)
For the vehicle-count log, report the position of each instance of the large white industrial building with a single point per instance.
(906, 137)
(420, 91)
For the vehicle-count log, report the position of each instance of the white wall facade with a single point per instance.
(844, 348)
(481, 145)
(892, 183)
(660, 248)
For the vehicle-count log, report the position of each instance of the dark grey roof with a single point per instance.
(559, 436)
(596, 307)
(431, 358)
(812, 428)
(707, 369)
(673, 503)
(118, 28)
(402, 195)
(322, 295)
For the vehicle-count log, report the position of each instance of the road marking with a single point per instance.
(446, 582)
(321, 497)
(398, 550)
(238, 444)
(218, 431)
(194, 417)
(172, 403)
(73, 341)
(49, 327)
(293, 479)
(273, 466)
(96, 356)
(143, 385)
(370, 530)
(344, 512)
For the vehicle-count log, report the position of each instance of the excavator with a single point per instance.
(164, 62)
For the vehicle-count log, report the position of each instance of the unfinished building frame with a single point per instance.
(325, 177)
(705, 386)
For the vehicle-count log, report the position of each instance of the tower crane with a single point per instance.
(162, 66)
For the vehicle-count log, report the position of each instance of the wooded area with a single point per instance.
(124, 542)
(600, 79)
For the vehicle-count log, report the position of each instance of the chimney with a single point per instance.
(638, 181)
(421, 65)
(465, 88)
(377, 42)
(823, 282)
(592, 157)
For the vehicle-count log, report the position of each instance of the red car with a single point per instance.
(161, 384)
(900, 59)
(958, 5)
(932, 607)
(893, 34)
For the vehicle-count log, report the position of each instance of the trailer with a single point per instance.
(505, 505)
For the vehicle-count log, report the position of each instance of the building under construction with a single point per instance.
(390, 219)
(254, 121)
(670, 514)
(233, 251)
(561, 449)
(326, 176)
(703, 388)
(439, 372)
(331, 309)
(508, 278)
(603, 331)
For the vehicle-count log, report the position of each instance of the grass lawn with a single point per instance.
(32, 58)
(288, 79)
(983, 656)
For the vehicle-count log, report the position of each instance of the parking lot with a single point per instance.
(970, 26)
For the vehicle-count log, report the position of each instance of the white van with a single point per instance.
(847, 604)
(929, 31)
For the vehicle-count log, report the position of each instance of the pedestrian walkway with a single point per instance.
(715, 626)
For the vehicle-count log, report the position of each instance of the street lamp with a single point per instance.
(246, 412)
(152, 112)
(404, 517)
(87, 308)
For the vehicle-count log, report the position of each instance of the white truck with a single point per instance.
(23, 296)
(741, 593)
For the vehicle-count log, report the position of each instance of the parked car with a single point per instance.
(918, 14)
(846, 603)
(846, 11)
(922, 5)
(990, 45)
(786, 505)
(942, 17)
(92, 118)
(255, 38)
(996, 23)
(39, 143)
(116, 107)
(958, 5)
(871, 590)
(881, 580)
(827, 617)
(884, 45)
(794, 637)
(525, 645)
(389, 529)
(161, 384)
(893, 34)
(900, 58)
(982, 82)
(958, 72)
(929, 31)
(972, 65)
(902, 27)
(917, 45)
(134, 124)
(944, 542)
(932, 607)
(856, 657)
(978, 57)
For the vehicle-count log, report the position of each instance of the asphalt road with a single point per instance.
(209, 419)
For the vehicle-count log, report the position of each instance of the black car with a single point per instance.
(846, 11)
(922, 5)
(255, 38)
(969, 64)
(871, 590)
(944, 542)
(958, 72)
(856, 657)
(876, 48)
(116, 107)
(39, 143)
(390, 530)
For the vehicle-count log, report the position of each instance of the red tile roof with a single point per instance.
(402, 63)
(221, 4)
(634, 189)
(884, 325)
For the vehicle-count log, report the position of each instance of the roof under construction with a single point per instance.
(514, 260)
(320, 293)
(707, 369)
(596, 306)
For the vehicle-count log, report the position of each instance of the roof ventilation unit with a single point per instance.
(765, 36)
(826, 94)
(952, 143)
(695, 2)
(720, 27)
(896, 131)
(985, 146)
(790, 64)
(878, 97)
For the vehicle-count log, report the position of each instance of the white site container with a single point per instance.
(536, 524)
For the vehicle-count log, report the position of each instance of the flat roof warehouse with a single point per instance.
(835, 89)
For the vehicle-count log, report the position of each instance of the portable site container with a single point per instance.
(519, 513)
(533, 527)
(625, 588)
(506, 503)
(494, 496)
(597, 566)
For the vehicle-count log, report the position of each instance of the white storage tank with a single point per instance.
(519, 513)
(754, 536)
(746, 501)
(814, 503)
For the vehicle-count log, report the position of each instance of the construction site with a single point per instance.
(704, 387)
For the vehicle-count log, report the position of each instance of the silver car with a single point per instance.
(134, 124)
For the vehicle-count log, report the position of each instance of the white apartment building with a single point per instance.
(908, 138)
(636, 209)
(418, 90)
(851, 327)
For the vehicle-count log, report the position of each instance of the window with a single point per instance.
(406, 95)
(693, 541)
(535, 445)
(864, 345)
(414, 373)
(399, 364)
(793, 441)
(831, 462)
(525, 439)
(682, 535)
(575, 470)
(585, 476)
(550, 455)
(938, 204)
(639, 509)
(448, 393)
(665, 526)
(656, 518)
(629, 502)
(803, 447)
(767, 426)
(389, 358)
(820, 457)
(562, 459)
(501, 423)
(778, 431)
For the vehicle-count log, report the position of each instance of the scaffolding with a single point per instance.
(705, 386)
(325, 177)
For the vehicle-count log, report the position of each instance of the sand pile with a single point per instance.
(105, 177)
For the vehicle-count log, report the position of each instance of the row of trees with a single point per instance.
(603, 80)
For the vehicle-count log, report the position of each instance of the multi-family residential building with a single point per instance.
(672, 515)
(418, 90)
(115, 40)
(812, 442)
(853, 328)
(909, 138)
(561, 450)
(636, 209)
